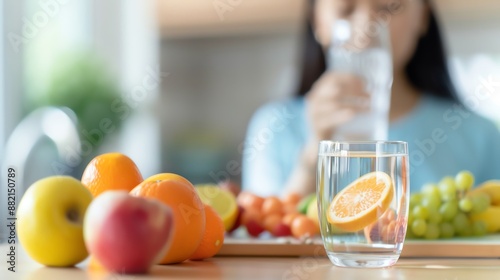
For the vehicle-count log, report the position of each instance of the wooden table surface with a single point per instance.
(292, 268)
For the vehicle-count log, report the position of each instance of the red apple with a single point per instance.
(254, 228)
(230, 186)
(127, 234)
(281, 229)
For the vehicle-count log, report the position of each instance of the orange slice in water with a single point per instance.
(362, 202)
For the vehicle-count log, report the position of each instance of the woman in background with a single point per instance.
(443, 137)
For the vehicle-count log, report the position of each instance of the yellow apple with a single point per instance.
(50, 221)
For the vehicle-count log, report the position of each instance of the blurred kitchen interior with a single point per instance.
(188, 75)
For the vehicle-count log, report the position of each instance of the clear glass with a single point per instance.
(365, 52)
(379, 243)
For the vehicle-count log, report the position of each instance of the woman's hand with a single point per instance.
(334, 99)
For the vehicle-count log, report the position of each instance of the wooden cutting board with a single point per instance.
(477, 247)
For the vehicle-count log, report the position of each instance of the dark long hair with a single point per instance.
(427, 70)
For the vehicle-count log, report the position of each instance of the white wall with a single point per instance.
(473, 39)
(12, 86)
(217, 83)
(10, 89)
(2, 90)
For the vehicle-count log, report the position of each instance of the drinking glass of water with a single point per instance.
(365, 52)
(363, 197)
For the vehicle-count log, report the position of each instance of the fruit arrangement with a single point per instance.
(290, 215)
(125, 223)
(452, 207)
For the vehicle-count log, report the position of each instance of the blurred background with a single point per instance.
(173, 83)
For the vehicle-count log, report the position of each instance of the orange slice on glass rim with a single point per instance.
(362, 202)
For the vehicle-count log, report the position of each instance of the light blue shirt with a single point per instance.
(443, 139)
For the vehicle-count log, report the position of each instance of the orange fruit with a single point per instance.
(383, 229)
(250, 200)
(168, 176)
(288, 218)
(188, 211)
(362, 202)
(272, 205)
(112, 171)
(251, 214)
(290, 208)
(304, 226)
(271, 221)
(292, 198)
(213, 237)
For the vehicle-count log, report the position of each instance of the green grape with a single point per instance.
(464, 180)
(480, 202)
(420, 212)
(448, 210)
(448, 191)
(465, 204)
(432, 231)
(411, 218)
(435, 217)
(449, 196)
(447, 230)
(419, 227)
(415, 199)
(447, 183)
(479, 228)
(430, 190)
(433, 202)
(461, 223)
